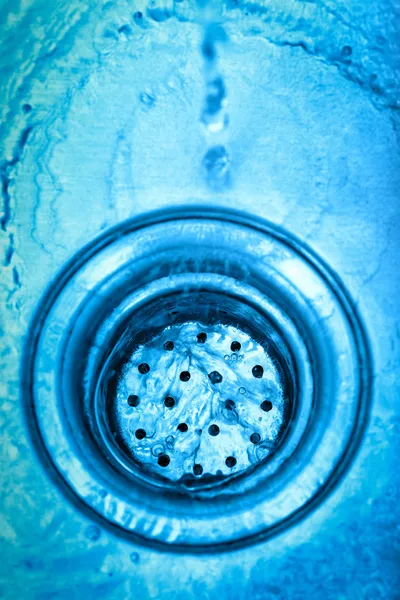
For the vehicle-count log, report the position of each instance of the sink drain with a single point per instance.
(187, 407)
(199, 378)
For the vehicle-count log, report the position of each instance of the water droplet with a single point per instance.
(159, 14)
(125, 30)
(135, 557)
(217, 165)
(147, 99)
(347, 51)
(215, 96)
(170, 441)
(93, 533)
(138, 17)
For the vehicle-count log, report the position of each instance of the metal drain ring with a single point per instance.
(85, 312)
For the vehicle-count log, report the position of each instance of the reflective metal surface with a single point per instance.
(287, 113)
(112, 309)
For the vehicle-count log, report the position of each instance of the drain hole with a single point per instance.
(213, 430)
(143, 368)
(197, 469)
(215, 377)
(235, 346)
(266, 406)
(255, 438)
(169, 402)
(201, 337)
(163, 460)
(230, 462)
(169, 345)
(257, 371)
(229, 404)
(140, 434)
(182, 427)
(133, 400)
(184, 376)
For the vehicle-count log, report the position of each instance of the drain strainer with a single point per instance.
(199, 379)
(198, 402)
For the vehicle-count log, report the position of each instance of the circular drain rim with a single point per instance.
(224, 286)
(362, 352)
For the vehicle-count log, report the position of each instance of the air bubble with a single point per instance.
(169, 345)
(143, 369)
(184, 376)
(157, 449)
(235, 346)
(170, 441)
(242, 390)
(182, 427)
(230, 462)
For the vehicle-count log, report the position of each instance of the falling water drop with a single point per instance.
(217, 166)
(214, 116)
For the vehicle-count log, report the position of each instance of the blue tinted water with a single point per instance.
(288, 110)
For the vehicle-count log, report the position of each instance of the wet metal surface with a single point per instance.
(105, 114)
(222, 404)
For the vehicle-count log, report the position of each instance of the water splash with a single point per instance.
(214, 116)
